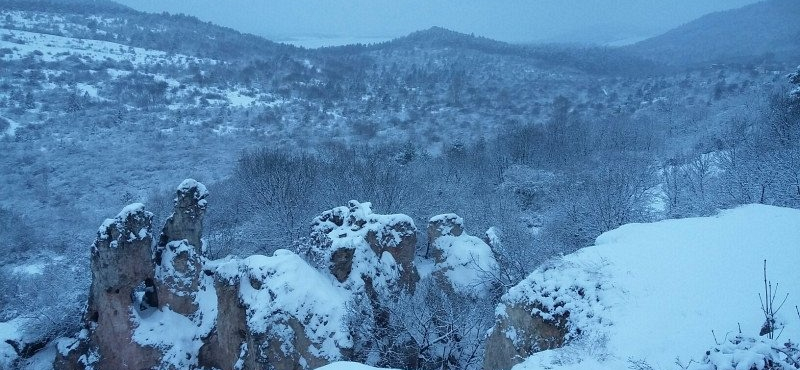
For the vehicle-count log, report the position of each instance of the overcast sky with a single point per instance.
(507, 20)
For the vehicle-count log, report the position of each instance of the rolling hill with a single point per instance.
(768, 30)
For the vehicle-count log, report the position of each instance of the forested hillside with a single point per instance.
(762, 32)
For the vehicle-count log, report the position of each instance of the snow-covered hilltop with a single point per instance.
(660, 293)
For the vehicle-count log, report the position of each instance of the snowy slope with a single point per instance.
(56, 48)
(668, 284)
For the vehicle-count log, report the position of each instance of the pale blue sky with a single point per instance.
(507, 20)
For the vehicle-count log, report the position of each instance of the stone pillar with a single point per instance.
(179, 255)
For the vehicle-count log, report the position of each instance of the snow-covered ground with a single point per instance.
(670, 284)
(11, 130)
(55, 48)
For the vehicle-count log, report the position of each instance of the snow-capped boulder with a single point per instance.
(294, 317)
(446, 224)
(546, 310)
(464, 263)
(365, 250)
(120, 262)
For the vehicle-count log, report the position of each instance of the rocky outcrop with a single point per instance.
(229, 341)
(446, 224)
(165, 305)
(518, 334)
(179, 258)
(547, 310)
(363, 248)
(136, 290)
(463, 264)
(121, 263)
(186, 222)
(276, 312)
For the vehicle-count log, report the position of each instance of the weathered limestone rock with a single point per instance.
(178, 271)
(230, 341)
(186, 221)
(449, 224)
(120, 262)
(549, 308)
(270, 319)
(398, 238)
(519, 334)
(353, 238)
(171, 308)
(179, 256)
(463, 264)
(134, 291)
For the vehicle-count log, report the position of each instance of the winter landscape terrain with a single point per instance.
(180, 195)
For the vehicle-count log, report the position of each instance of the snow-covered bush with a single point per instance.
(748, 353)
(563, 290)
(43, 302)
(427, 329)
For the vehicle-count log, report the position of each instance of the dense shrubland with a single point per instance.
(562, 183)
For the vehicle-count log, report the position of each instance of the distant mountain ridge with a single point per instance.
(587, 58)
(761, 31)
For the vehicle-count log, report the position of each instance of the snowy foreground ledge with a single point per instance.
(667, 285)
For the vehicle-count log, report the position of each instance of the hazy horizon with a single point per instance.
(586, 21)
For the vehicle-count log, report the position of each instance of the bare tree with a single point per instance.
(278, 185)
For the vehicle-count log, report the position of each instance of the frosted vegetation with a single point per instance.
(538, 149)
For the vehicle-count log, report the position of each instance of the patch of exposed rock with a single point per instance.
(548, 309)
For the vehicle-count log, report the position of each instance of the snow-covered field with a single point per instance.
(671, 287)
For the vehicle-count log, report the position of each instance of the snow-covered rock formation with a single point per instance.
(276, 312)
(655, 296)
(549, 308)
(147, 309)
(179, 258)
(165, 305)
(464, 264)
(120, 262)
(366, 250)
